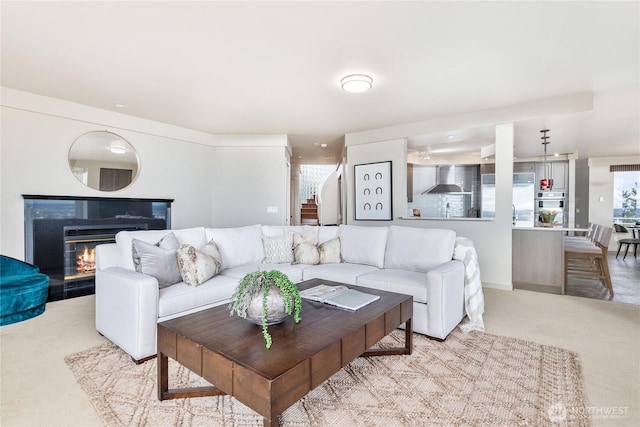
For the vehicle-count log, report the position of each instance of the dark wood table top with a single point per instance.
(242, 342)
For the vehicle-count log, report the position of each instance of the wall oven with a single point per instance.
(554, 201)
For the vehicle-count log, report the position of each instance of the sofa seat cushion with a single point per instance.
(418, 249)
(400, 281)
(344, 273)
(293, 271)
(363, 245)
(182, 297)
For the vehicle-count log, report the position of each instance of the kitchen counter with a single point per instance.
(538, 258)
(413, 218)
(555, 228)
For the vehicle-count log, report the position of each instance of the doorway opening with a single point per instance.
(310, 179)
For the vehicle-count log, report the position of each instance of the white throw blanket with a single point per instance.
(473, 297)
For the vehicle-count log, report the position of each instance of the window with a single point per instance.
(626, 189)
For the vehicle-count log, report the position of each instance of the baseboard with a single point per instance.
(547, 289)
(501, 286)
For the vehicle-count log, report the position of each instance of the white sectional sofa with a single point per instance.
(413, 261)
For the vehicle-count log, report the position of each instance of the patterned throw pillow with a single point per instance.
(306, 253)
(330, 251)
(278, 249)
(157, 260)
(309, 235)
(199, 265)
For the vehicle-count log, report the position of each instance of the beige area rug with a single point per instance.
(469, 380)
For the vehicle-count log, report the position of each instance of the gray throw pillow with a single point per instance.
(159, 260)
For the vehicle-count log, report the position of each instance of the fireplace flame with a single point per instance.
(86, 262)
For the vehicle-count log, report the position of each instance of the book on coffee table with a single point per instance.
(339, 296)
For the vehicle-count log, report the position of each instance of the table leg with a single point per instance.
(163, 384)
(408, 344)
(163, 375)
(408, 336)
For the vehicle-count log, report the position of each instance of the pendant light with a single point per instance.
(546, 183)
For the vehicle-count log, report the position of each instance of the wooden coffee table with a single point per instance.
(230, 352)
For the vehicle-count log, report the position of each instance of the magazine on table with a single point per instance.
(340, 296)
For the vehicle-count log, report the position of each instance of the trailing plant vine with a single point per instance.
(258, 283)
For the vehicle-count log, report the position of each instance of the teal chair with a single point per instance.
(23, 290)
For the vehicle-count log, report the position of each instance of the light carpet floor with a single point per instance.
(473, 380)
(37, 388)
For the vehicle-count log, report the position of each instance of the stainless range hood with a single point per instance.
(445, 182)
(444, 189)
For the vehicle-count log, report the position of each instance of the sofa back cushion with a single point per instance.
(238, 245)
(308, 233)
(363, 245)
(124, 241)
(327, 232)
(418, 249)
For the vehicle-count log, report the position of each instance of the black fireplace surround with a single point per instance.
(61, 233)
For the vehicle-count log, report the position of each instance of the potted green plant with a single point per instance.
(266, 298)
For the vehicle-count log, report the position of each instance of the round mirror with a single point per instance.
(103, 161)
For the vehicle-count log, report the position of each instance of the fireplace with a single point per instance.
(80, 243)
(61, 234)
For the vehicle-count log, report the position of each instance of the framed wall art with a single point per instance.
(373, 191)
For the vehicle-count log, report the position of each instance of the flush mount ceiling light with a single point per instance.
(356, 83)
(117, 150)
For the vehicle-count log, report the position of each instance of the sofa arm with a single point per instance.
(445, 298)
(107, 255)
(127, 310)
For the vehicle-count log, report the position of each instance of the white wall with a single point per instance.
(328, 200)
(250, 181)
(176, 163)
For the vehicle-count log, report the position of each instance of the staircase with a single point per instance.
(309, 212)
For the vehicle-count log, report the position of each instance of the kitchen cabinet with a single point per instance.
(558, 171)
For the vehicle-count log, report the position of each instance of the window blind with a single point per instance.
(624, 168)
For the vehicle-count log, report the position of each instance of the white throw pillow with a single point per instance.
(278, 249)
(198, 265)
(157, 260)
(363, 245)
(330, 251)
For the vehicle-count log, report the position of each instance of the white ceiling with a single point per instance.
(274, 67)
